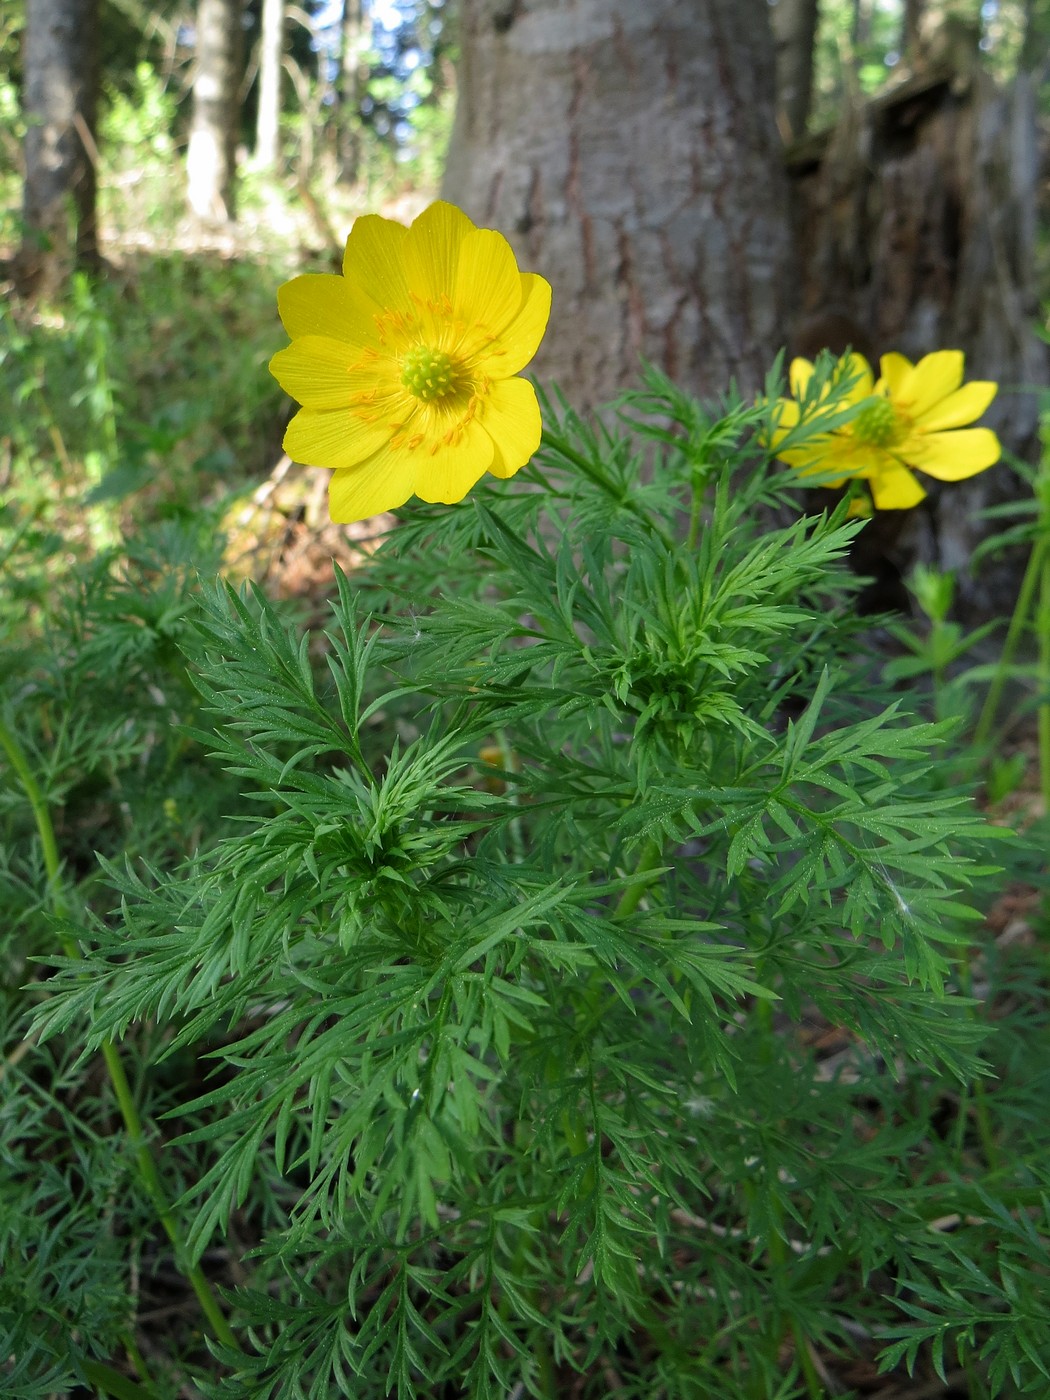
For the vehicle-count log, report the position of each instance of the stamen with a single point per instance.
(428, 374)
(880, 424)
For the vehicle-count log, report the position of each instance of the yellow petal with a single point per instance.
(510, 414)
(332, 438)
(856, 367)
(784, 414)
(383, 482)
(841, 454)
(896, 489)
(953, 456)
(959, 408)
(373, 261)
(445, 471)
(933, 378)
(894, 369)
(316, 370)
(488, 292)
(515, 347)
(432, 248)
(799, 375)
(321, 303)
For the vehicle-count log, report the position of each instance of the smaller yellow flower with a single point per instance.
(912, 419)
(407, 365)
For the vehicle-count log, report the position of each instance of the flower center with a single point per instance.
(879, 424)
(428, 374)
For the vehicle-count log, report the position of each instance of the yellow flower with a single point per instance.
(405, 365)
(913, 418)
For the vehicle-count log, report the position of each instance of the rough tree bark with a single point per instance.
(630, 154)
(59, 97)
(794, 32)
(211, 158)
(268, 117)
(919, 222)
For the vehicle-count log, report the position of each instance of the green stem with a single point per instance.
(115, 1383)
(778, 1249)
(144, 1160)
(699, 484)
(651, 857)
(981, 1109)
(938, 670)
(595, 475)
(1033, 572)
(1043, 675)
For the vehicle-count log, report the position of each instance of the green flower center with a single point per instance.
(428, 374)
(879, 424)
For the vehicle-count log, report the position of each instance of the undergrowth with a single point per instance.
(564, 974)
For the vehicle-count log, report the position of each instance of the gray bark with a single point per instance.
(630, 154)
(59, 97)
(353, 76)
(211, 158)
(795, 32)
(268, 117)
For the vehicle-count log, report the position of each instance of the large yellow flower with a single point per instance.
(405, 365)
(912, 419)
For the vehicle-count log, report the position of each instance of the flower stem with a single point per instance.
(1033, 571)
(699, 483)
(597, 477)
(1042, 627)
(652, 855)
(777, 1249)
(144, 1160)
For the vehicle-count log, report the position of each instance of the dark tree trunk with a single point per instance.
(917, 229)
(59, 98)
(630, 154)
(860, 29)
(795, 33)
(911, 32)
(1035, 46)
(211, 158)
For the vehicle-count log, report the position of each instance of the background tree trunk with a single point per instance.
(795, 32)
(911, 31)
(917, 231)
(860, 30)
(353, 76)
(211, 158)
(59, 98)
(268, 117)
(630, 154)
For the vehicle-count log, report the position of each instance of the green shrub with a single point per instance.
(581, 992)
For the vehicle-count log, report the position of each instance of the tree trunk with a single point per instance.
(268, 117)
(630, 154)
(211, 159)
(911, 32)
(917, 227)
(1035, 45)
(860, 28)
(795, 32)
(353, 76)
(59, 98)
